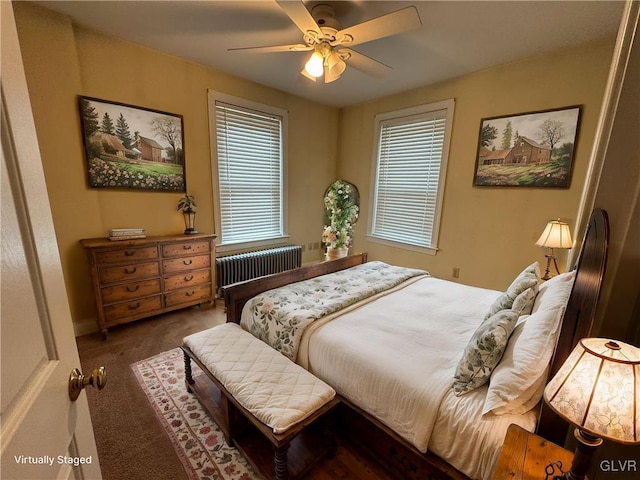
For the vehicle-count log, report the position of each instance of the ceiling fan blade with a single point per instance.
(299, 14)
(275, 48)
(363, 63)
(390, 24)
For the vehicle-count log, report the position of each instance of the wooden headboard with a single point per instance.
(580, 313)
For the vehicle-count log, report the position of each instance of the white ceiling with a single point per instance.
(456, 37)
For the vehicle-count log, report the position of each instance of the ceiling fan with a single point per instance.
(331, 44)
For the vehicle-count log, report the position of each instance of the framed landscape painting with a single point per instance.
(132, 147)
(532, 149)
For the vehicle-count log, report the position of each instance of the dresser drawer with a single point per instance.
(120, 311)
(129, 272)
(187, 279)
(186, 248)
(127, 291)
(185, 264)
(127, 255)
(186, 295)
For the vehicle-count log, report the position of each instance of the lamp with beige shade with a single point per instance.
(555, 235)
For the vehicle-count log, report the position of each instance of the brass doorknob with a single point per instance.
(77, 381)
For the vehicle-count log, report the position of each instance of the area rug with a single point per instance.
(198, 441)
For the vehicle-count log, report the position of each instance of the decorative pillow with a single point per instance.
(528, 278)
(517, 382)
(523, 304)
(484, 351)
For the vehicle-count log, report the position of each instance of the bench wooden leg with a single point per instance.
(280, 461)
(188, 374)
(230, 419)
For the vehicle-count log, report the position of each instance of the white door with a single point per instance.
(44, 434)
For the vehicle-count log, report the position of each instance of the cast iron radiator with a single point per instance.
(250, 265)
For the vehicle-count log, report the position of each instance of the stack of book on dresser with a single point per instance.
(116, 234)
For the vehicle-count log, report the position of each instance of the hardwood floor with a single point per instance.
(131, 442)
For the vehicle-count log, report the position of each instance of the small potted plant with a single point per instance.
(187, 205)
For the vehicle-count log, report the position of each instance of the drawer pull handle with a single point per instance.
(134, 289)
(187, 262)
(129, 253)
(133, 306)
(130, 271)
(189, 278)
(186, 247)
(190, 294)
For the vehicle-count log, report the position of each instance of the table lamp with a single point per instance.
(598, 390)
(555, 235)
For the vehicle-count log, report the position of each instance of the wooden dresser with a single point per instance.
(134, 279)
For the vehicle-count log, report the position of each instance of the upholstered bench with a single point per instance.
(259, 384)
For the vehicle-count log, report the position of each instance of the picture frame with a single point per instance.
(131, 147)
(532, 149)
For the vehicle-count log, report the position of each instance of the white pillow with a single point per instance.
(518, 380)
(527, 400)
(555, 292)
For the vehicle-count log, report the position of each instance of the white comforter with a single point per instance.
(395, 357)
(468, 440)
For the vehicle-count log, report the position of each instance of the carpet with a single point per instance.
(197, 440)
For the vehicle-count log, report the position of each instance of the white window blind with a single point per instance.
(410, 169)
(250, 173)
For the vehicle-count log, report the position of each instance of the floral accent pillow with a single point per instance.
(484, 351)
(523, 304)
(528, 278)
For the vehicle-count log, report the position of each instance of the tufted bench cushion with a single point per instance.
(277, 392)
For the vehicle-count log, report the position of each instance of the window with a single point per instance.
(410, 167)
(248, 142)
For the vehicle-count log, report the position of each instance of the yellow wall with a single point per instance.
(488, 232)
(63, 61)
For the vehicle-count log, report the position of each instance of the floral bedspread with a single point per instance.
(279, 317)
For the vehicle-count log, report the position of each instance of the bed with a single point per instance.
(394, 366)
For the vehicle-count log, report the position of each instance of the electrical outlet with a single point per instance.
(316, 245)
(304, 248)
(310, 246)
(455, 272)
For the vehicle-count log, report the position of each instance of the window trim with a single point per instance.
(214, 96)
(449, 106)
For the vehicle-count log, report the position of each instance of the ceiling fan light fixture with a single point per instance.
(330, 77)
(304, 73)
(315, 65)
(322, 32)
(335, 65)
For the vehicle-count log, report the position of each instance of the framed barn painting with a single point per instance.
(532, 149)
(132, 147)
